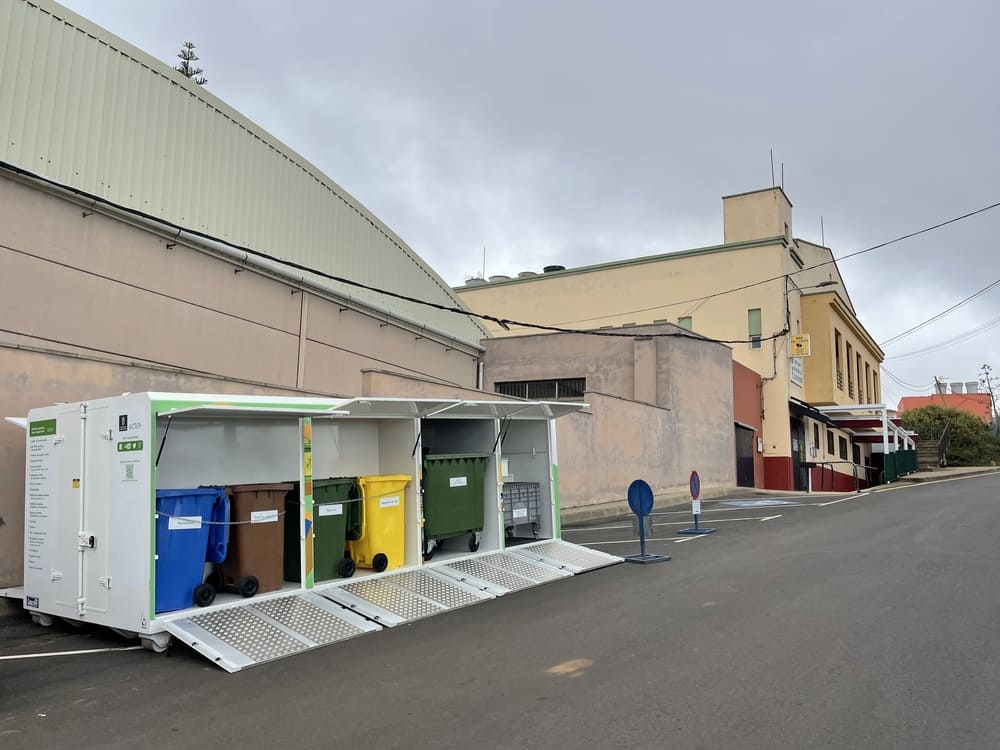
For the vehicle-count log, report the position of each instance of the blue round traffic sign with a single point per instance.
(640, 498)
(695, 485)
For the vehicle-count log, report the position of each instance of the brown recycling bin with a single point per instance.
(254, 561)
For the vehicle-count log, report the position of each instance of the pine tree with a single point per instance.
(186, 66)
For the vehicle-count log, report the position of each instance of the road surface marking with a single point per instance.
(770, 518)
(70, 653)
(842, 500)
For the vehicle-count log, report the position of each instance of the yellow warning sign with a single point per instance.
(799, 346)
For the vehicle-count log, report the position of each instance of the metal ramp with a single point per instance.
(397, 598)
(253, 632)
(500, 573)
(572, 558)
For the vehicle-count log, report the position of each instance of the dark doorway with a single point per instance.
(800, 477)
(744, 457)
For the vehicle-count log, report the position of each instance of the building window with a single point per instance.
(685, 322)
(842, 443)
(829, 442)
(836, 357)
(875, 394)
(850, 372)
(868, 384)
(816, 436)
(857, 454)
(753, 327)
(861, 396)
(564, 389)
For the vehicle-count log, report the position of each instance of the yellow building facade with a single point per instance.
(755, 292)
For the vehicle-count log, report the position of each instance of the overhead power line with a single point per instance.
(960, 338)
(505, 323)
(940, 315)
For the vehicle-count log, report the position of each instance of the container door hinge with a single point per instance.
(81, 606)
(105, 581)
(55, 575)
(85, 541)
(107, 435)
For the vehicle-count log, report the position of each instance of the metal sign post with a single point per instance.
(695, 486)
(640, 500)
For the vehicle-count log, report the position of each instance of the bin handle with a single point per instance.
(364, 520)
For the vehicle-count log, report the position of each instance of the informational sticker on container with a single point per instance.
(520, 513)
(332, 509)
(505, 467)
(458, 481)
(184, 523)
(389, 502)
(263, 516)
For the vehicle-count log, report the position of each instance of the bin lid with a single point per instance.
(277, 486)
(455, 456)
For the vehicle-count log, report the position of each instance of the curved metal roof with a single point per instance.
(84, 108)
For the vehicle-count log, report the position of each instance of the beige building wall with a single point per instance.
(659, 408)
(92, 306)
(827, 316)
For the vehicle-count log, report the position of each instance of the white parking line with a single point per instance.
(665, 523)
(69, 653)
(841, 500)
(769, 518)
(634, 541)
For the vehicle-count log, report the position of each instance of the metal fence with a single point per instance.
(899, 464)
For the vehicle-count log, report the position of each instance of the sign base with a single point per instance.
(646, 559)
(694, 530)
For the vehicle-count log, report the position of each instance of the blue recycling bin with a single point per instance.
(185, 540)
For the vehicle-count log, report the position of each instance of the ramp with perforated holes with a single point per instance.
(561, 555)
(501, 572)
(261, 630)
(409, 595)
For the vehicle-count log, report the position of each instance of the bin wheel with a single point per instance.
(204, 594)
(249, 586)
(429, 548)
(509, 531)
(346, 568)
(473, 543)
(380, 562)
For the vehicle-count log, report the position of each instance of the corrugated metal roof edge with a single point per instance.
(211, 245)
(68, 17)
(629, 262)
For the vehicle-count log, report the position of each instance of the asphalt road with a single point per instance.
(867, 623)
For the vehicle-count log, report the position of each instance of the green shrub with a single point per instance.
(971, 443)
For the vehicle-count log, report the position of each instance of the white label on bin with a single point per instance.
(520, 512)
(333, 509)
(505, 467)
(458, 481)
(179, 523)
(389, 502)
(263, 516)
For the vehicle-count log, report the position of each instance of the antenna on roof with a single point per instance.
(822, 233)
(772, 167)
(782, 175)
(484, 261)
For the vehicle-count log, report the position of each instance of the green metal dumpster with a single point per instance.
(332, 502)
(453, 498)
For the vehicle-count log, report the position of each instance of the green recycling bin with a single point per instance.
(453, 498)
(332, 503)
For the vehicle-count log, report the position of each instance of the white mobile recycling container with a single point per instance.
(94, 469)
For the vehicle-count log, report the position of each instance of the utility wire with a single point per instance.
(505, 323)
(962, 337)
(801, 270)
(940, 315)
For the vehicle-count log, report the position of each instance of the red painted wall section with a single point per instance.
(746, 409)
(822, 481)
(778, 472)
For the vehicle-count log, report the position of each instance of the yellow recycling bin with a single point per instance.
(379, 536)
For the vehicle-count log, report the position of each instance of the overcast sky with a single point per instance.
(581, 132)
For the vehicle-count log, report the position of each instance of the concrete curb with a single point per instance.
(936, 475)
